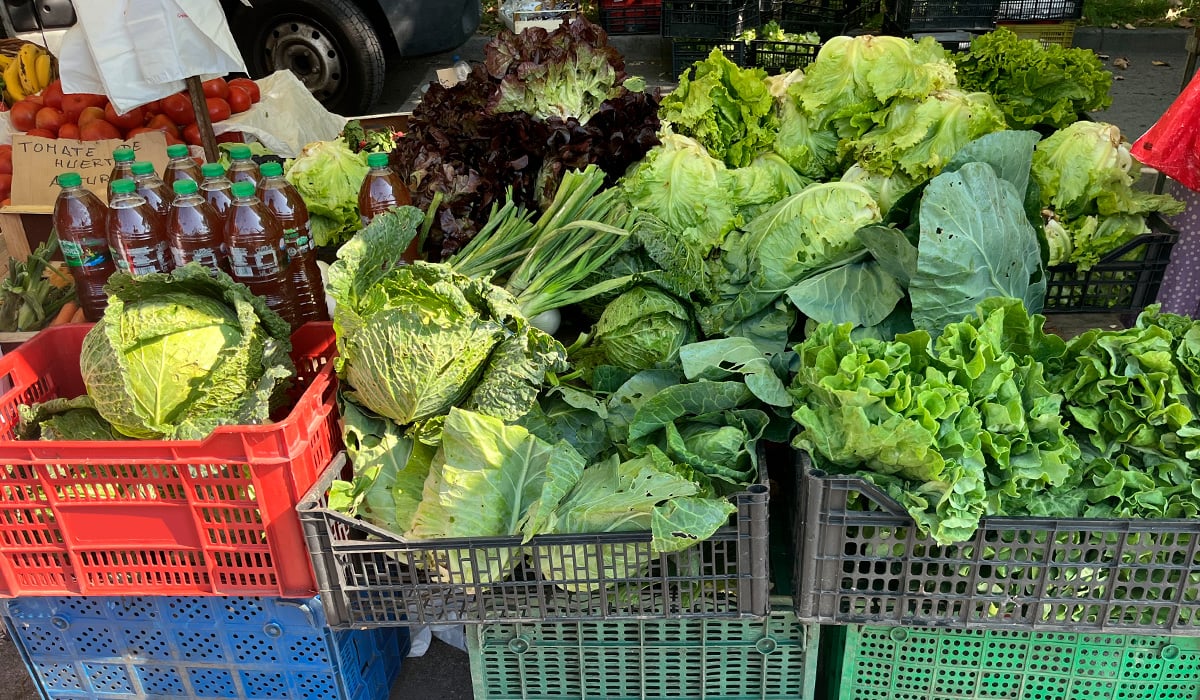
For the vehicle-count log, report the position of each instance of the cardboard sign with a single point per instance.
(38, 161)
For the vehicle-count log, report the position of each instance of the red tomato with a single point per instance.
(52, 96)
(89, 115)
(172, 140)
(239, 99)
(130, 120)
(24, 115)
(152, 108)
(179, 108)
(249, 86)
(163, 123)
(6, 159)
(140, 130)
(69, 131)
(99, 130)
(74, 103)
(41, 132)
(50, 119)
(217, 87)
(191, 134)
(231, 137)
(218, 109)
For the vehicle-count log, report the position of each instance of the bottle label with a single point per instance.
(207, 257)
(263, 261)
(91, 252)
(299, 242)
(143, 260)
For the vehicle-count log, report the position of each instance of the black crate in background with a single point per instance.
(631, 19)
(1126, 279)
(860, 559)
(685, 52)
(826, 17)
(708, 19)
(782, 56)
(907, 16)
(1039, 10)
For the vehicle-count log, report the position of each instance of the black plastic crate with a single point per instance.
(708, 19)
(782, 56)
(685, 52)
(631, 16)
(1126, 279)
(856, 566)
(369, 577)
(769, 10)
(826, 17)
(906, 16)
(1039, 10)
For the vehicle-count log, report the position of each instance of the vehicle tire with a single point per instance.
(329, 44)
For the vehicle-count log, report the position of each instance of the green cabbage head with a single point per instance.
(178, 355)
(328, 175)
(643, 329)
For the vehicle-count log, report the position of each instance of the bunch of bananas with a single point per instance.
(26, 72)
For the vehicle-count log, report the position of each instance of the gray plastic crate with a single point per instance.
(369, 577)
(856, 566)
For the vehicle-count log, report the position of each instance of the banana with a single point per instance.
(4, 61)
(12, 81)
(27, 71)
(42, 71)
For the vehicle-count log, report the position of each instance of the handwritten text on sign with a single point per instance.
(37, 162)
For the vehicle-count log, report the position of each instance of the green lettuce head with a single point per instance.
(178, 355)
(644, 328)
(328, 175)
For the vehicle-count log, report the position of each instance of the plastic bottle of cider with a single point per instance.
(152, 187)
(241, 165)
(194, 230)
(257, 254)
(285, 203)
(135, 232)
(180, 166)
(216, 189)
(122, 167)
(79, 218)
(381, 190)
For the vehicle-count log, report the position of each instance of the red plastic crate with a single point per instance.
(147, 517)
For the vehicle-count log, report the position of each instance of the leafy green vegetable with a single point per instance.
(976, 243)
(176, 356)
(1035, 84)
(644, 328)
(802, 141)
(415, 340)
(64, 419)
(1086, 175)
(328, 175)
(731, 358)
(726, 108)
(887, 190)
(862, 294)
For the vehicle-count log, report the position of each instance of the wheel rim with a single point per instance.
(309, 51)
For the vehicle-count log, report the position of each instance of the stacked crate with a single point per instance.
(1048, 21)
(153, 569)
(631, 16)
(696, 27)
(827, 18)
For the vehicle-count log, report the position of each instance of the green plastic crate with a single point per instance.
(924, 663)
(768, 659)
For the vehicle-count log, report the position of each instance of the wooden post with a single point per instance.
(196, 92)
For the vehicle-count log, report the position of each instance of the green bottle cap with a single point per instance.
(123, 154)
(186, 187)
(239, 152)
(69, 180)
(142, 167)
(177, 150)
(377, 160)
(212, 170)
(243, 189)
(123, 186)
(271, 169)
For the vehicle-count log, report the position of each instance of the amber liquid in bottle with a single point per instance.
(79, 218)
(216, 190)
(241, 165)
(136, 232)
(122, 167)
(152, 188)
(181, 166)
(381, 190)
(289, 209)
(194, 230)
(257, 253)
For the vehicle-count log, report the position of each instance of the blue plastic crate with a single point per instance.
(118, 648)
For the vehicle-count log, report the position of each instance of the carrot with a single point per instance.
(65, 313)
(78, 316)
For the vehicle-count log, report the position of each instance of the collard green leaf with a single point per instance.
(975, 243)
(729, 358)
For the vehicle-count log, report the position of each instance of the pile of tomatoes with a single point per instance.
(53, 114)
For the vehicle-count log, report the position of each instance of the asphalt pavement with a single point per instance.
(1141, 92)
